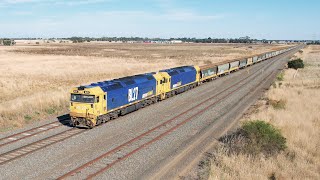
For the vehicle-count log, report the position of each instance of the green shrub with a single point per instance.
(8, 42)
(254, 138)
(296, 64)
(280, 77)
(27, 117)
(263, 138)
(50, 110)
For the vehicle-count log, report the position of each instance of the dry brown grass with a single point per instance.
(178, 53)
(299, 122)
(35, 80)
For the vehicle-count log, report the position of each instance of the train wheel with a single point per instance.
(163, 96)
(90, 124)
(72, 122)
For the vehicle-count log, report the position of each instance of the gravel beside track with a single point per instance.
(35, 146)
(32, 132)
(62, 157)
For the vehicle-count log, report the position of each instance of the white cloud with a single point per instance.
(112, 23)
(6, 2)
(51, 2)
(190, 16)
(167, 16)
(22, 13)
(80, 2)
(167, 21)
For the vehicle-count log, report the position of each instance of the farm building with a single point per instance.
(176, 41)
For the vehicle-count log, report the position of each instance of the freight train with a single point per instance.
(100, 102)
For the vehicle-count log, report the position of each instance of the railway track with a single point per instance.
(163, 172)
(32, 132)
(122, 152)
(35, 146)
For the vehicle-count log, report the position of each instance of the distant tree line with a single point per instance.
(184, 39)
(314, 43)
(245, 39)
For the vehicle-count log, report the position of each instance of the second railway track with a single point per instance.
(35, 146)
(32, 132)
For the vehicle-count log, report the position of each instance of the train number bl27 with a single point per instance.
(133, 94)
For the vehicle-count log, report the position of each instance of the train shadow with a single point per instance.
(65, 120)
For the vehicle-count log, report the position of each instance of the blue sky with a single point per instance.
(269, 19)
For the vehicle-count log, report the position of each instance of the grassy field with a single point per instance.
(292, 104)
(35, 79)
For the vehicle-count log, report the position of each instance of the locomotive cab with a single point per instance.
(86, 104)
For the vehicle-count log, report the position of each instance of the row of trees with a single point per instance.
(184, 39)
(314, 42)
(245, 39)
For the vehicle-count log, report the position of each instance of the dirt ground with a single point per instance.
(35, 79)
(298, 120)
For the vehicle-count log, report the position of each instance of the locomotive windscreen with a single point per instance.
(82, 98)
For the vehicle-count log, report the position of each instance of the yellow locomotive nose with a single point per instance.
(86, 105)
(82, 108)
(82, 114)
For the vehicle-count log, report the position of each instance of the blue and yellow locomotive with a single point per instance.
(99, 102)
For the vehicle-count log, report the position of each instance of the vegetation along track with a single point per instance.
(32, 132)
(120, 153)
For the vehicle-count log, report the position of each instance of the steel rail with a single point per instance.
(30, 132)
(35, 146)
